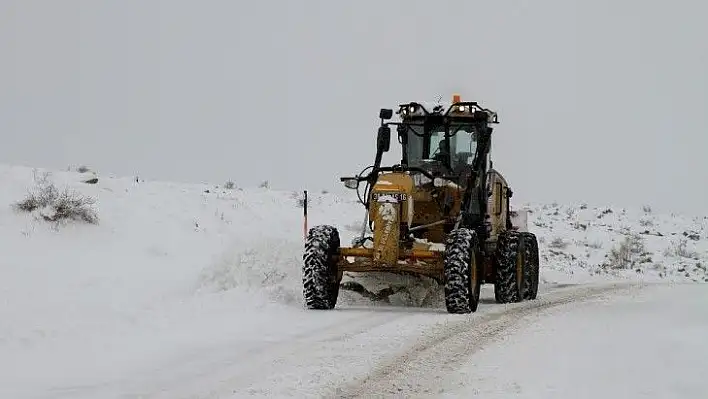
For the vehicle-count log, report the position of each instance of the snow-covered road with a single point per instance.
(581, 343)
(652, 343)
(359, 351)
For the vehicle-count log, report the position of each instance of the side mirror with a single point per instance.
(385, 114)
(383, 140)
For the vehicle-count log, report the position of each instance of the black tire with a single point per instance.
(530, 245)
(510, 273)
(320, 276)
(462, 271)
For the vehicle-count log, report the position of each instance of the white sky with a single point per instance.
(600, 101)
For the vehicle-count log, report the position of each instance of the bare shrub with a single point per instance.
(646, 209)
(679, 249)
(264, 184)
(83, 169)
(558, 243)
(54, 205)
(229, 185)
(580, 226)
(604, 212)
(627, 253)
(645, 222)
(594, 244)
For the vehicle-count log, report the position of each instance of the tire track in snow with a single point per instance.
(419, 369)
(326, 358)
(213, 371)
(225, 372)
(316, 361)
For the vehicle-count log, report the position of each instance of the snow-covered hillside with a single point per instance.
(173, 271)
(581, 240)
(166, 266)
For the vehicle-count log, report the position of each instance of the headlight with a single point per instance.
(440, 182)
(351, 183)
(419, 179)
(461, 109)
(412, 109)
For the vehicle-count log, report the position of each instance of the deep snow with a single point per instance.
(188, 288)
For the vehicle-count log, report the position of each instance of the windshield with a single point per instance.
(463, 145)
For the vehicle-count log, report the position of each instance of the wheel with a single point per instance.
(320, 276)
(462, 271)
(530, 245)
(511, 272)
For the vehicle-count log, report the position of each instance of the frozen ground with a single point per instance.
(194, 290)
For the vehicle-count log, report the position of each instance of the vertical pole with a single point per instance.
(304, 211)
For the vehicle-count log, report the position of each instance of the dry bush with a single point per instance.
(594, 244)
(627, 253)
(558, 243)
(54, 205)
(679, 249)
(645, 222)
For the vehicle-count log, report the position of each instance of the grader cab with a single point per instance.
(442, 212)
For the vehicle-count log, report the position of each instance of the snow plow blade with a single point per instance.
(424, 262)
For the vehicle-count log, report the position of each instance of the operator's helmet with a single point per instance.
(441, 153)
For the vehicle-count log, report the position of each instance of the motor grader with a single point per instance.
(442, 212)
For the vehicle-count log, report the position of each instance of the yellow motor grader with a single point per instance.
(443, 212)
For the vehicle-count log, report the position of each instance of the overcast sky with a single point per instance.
(600, 101)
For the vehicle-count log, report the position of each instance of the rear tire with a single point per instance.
(530, 244)
(511, 268)
(462, 271)
(320, 276)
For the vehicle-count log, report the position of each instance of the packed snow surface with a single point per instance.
(645, 344)
(194, 290)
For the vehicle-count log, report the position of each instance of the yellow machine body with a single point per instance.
(396, 205)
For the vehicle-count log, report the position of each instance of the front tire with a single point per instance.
(462, 271)
(320, 276)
